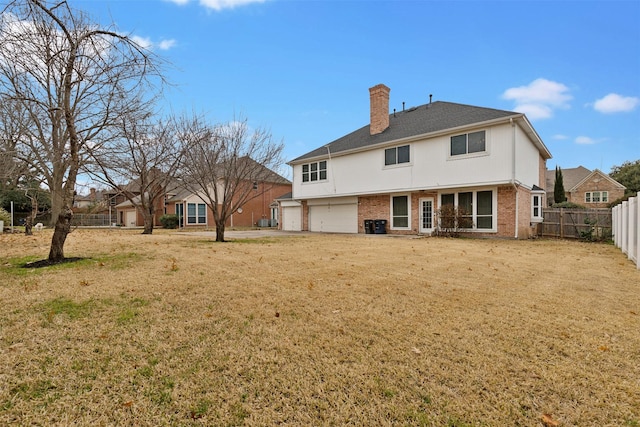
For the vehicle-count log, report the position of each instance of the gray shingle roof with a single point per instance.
(570, 177)
(429, 118)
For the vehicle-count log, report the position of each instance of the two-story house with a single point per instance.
(403, 166)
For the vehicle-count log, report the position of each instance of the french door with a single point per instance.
(426, 215)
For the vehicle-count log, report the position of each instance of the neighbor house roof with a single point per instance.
(427, 119)
(572, 178)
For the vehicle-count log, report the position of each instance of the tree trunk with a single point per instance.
(56, 205)
(148, 223)
(63, 228)
(220, 231)
(27, 226)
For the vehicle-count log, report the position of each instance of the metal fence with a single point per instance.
(93, 220)
(586, 224)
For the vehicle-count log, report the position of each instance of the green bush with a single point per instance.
(568, 205)
(6, 217)
(169, 221)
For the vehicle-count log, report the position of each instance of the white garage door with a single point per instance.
(334, 218)
(130, 219)
(292, 218)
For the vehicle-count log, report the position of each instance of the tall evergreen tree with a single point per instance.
(558, 187)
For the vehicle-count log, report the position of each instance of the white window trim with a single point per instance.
(408, 227)
(475, 191)
(537, 218)
(303, 182)
(590, 196)
(397, 165)
(487, 146)
(186, 216)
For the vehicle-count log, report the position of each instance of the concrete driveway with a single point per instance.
(245, 234)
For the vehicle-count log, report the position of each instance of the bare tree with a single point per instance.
(141, 163)
(76, 80)
(223, 164)
(14, 165)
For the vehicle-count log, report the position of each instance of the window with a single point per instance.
(484, 213)
(400, 211)
(316, 171)
(196, 213)
(468, 143)
(396, 155)
(596, 197)
(476, 206)
(536, 207)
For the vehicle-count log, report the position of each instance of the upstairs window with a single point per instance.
(468, 143)
(316, 171)
(396, 155)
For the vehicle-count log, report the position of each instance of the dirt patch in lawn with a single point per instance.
(170, 329)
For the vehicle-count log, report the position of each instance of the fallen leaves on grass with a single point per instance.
(548, 421)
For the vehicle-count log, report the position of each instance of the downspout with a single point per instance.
(333, 178)
(513, 172)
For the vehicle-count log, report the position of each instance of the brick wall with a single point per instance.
(379, 100)
(507, 196)
(595, 183)
(379, 207)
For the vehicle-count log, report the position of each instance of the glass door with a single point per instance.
(426, 215)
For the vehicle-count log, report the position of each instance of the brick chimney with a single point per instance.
(379, 97)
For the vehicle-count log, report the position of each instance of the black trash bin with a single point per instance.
(368, 226)
(380, 226)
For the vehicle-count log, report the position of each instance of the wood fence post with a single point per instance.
(562, 223)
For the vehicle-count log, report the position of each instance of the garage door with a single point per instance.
(130, 219)
(292, 218)
(334, 218)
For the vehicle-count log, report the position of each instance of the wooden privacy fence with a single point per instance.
(626, 228)
(587, 224)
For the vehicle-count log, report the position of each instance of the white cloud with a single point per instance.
(535, 111)
(614, 103)
(218, 5)
(539, 98)
(560, 137)
(179, 2)
(166, 44)
(147, 43)
(585, 140)
(144, 42)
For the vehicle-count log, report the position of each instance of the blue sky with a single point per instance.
(303, 68)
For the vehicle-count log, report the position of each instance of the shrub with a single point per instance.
(568, 205)
(169, 221)
(621, 199)
(5, 216)
(452, 220)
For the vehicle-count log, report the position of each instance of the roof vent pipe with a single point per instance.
(394, 112)
(430, 96)
(402, 105)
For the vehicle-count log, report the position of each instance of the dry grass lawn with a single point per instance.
(171, 329)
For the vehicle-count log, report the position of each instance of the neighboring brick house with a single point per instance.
(584, 187)
(259, 209)
(402, 167)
